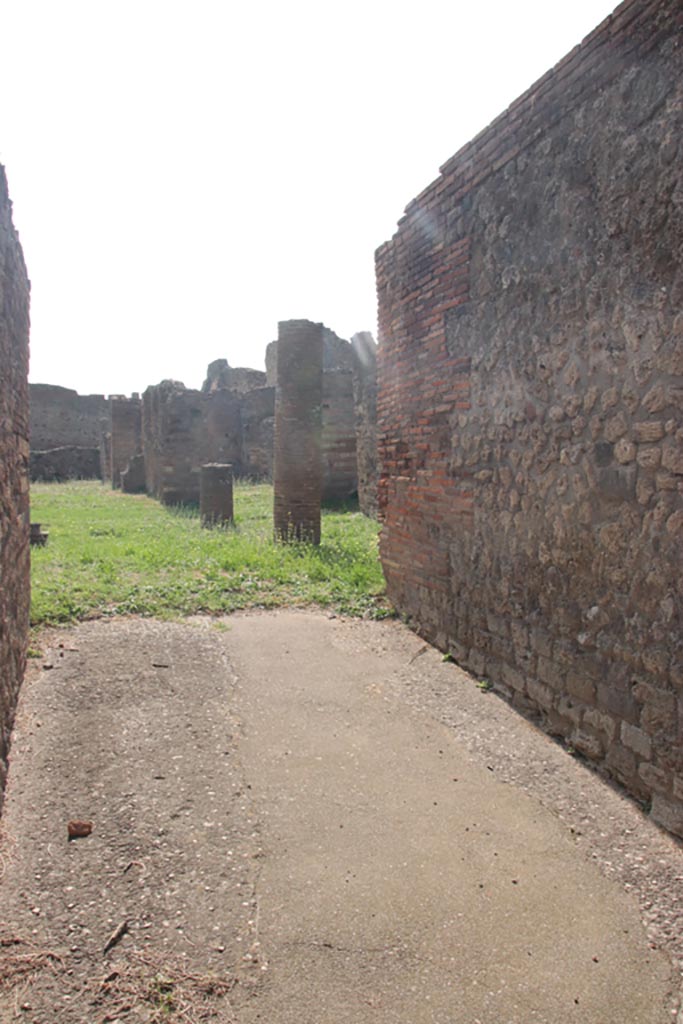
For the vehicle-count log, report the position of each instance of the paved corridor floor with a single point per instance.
(302, 818)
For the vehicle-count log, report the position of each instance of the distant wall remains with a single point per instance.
(61, 417)
(531, 403)
(125, 428)
(365, 403)
(14, 458)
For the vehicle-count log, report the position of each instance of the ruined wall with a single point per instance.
(365, 402)
(530, 406)
(61, 417)
(125, 427)
(14, 457)
(183, 429)
(72, 462)
(220, 374)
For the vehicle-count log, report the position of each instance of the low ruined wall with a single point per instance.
(69, 463)
(14, 456)
(61, 417)
(531, 403)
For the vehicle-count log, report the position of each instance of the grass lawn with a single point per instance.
(111, 553)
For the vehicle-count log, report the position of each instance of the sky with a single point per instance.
(186, 173)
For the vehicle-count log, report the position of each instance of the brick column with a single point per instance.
(215, 494)
(297, 469)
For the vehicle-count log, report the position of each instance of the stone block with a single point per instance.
(549, 672)
(622, 764)
(672, 458)
(624, 451)
(654, 778)
(648, 431)
(601, 723)
(513, 678)
(668, 812)
(581, 687)
(542, 695)
(649, 457)
(587, 744)
(636, 740)
(618, 702)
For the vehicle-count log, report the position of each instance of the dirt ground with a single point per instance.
(302, 818)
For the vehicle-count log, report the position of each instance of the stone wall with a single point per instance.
(531, 403)
(183, 429)
(61, 417)
(14, 459)
(365, 402)
(125, 428)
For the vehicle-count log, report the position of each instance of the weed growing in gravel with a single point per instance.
(112, 553)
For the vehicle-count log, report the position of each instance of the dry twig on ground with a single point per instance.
(167, 988)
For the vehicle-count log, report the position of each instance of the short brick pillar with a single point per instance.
(215, 494)
(297, 466)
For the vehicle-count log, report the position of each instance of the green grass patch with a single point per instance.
(110, 553)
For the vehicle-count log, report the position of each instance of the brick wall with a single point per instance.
(61, 417)
(531, 397)
(14, 458)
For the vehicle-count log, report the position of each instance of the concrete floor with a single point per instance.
(328, 815)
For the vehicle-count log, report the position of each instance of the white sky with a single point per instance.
(185, 174)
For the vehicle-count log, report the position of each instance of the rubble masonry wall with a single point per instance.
(531, 403)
